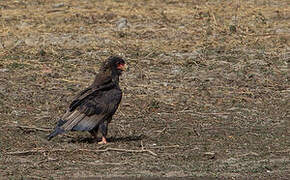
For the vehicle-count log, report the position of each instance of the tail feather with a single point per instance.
(58, 130)
(60, 122)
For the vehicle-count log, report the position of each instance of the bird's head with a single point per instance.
(114, 64)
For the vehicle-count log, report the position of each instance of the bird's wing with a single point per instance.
(91, 109)
(89, 93)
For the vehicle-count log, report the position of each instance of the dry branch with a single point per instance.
(130, 150)
(33, 151)
(164, 147)
(32, 127)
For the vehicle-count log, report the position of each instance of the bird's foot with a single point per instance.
(104, 141)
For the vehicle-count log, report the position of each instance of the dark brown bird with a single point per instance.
(92, 109)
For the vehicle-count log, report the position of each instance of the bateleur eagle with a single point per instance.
(92, 109)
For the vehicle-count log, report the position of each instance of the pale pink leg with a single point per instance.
(104, 141)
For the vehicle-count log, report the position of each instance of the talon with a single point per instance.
(104, 141)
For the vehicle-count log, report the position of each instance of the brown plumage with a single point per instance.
(92, 109)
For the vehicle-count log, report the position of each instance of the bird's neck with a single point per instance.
(107, 77)
(115, 78)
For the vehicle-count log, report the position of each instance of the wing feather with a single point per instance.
(94, 107)
(73, 120)
(88, 123)
(88, 94)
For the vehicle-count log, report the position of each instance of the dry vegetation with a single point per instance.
(207, 93)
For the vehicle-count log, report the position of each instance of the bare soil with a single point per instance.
(206, 95)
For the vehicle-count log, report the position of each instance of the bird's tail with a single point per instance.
(58, 130)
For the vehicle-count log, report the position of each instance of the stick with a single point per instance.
(128, 150)
(34, 177)
(36, 128)
(163, 147)
(32, 127)
(44, 161)
(33, 151)
(209, 113)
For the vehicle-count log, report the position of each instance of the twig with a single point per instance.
(33, 151)
(283, 151)
(161, 131)
(142, 147)
(214, 19)
(56, 10)
(205, 113)
(277, 34)
(127, 150)
(213, 15)
(160, 147)
(217, 113)
(34, 177)
(36, 128)
(45, 161)
(249, 154)
(96, 164)
(32, 127)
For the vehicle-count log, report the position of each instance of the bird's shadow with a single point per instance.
(91, 140)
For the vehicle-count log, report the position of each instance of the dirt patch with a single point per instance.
(206, 95)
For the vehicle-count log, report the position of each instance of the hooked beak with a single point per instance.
(123, 67)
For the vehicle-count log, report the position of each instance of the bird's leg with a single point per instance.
(104, 141)
(104, 130)
(94, 132)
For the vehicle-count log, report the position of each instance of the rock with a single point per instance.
(3, 70)
(58, 5)
(122, 23)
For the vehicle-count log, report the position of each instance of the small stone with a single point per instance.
(58, 5)
(122, 23)
(3, 70)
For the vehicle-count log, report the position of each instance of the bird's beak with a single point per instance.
(123, 67)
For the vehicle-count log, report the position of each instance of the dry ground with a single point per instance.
(207, 93)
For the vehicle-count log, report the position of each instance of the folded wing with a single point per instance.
(91, 107)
